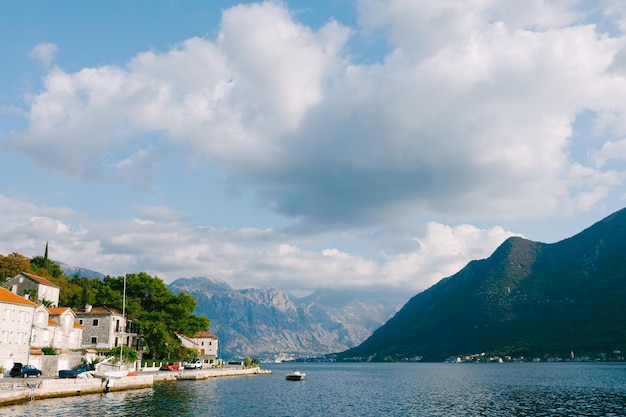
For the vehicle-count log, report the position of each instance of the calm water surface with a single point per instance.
(560, 389)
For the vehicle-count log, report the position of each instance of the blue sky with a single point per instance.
(306, 145)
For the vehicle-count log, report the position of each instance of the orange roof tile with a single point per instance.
(57, 311)
(205, 335)
(9, 297)
(39, 279)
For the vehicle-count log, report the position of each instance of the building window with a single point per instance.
(95, 322)
(94, 340)
(80, 321)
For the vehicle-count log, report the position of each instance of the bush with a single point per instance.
(128, 354)
(49, 350)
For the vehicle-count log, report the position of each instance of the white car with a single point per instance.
(193, 364)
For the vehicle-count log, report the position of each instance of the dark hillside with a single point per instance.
(527, 298)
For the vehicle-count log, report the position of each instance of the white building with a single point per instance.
(67, 332)
(205, 343)
(16, 326)
(43, 327)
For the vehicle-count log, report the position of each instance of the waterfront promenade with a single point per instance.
(19, 390)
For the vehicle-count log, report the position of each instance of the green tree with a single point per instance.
(13, 264)
(250, 362)
(128, 354)
(79, 291)
(159, 312)
(45, 267)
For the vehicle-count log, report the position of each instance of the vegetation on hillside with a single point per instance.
(528, 299)
(149, 302)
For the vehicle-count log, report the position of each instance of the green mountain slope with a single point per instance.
(527, 298)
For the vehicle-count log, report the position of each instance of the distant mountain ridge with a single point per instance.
(71, 271)
(527, 298)
(270, 324)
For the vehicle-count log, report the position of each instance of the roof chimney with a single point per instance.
(88, 308)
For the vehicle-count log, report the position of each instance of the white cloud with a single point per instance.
(611, 150)
(44, 52)
(171, 250)
(469, 116)
(444, 250)
(472, 103)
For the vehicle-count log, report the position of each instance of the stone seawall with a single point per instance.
(199, 374)
(20, 390)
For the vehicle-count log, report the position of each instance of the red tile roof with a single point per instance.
(40, 280)
(205, 335)
(57, 311)
(9, 297)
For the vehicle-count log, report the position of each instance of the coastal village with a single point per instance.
(54, 338)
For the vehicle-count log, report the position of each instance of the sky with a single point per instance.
(378, 144)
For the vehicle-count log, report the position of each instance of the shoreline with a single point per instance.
(22, 390)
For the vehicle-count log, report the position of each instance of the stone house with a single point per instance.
(105, 328)
(26, 283)
(16, 324)
(205, 343)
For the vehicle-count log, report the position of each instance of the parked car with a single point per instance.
(24, 370)
(73, 373)
(193, 364)
(170, 366)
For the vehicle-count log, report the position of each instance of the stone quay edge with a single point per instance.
(22, 390)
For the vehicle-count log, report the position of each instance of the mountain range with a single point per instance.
(271, 325)
(527, 299)
(71, 271)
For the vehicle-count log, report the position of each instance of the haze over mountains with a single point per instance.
(272, 325)
(527, 299)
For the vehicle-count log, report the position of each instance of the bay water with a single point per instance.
(369, 389)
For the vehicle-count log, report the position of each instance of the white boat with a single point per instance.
(295, 376)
